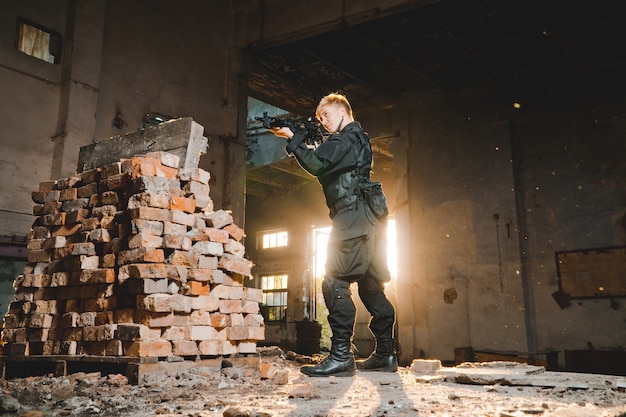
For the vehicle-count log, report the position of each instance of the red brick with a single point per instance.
(97, 276)
(219, 219)
(211, 347)
(89, 224)
(147, 199)
(203, 333)
(195, 174)
(235, 231)
(83, 248)
(47, 186)
(208, 248)
(198, 288)
(154, 319)
(115, 182)
(147, 286)
(250, 307)
(203, 275)
(111, 170)
(38, 197)
(246, 346)
(232, 263)
(180, 217)
(156, 185)
(53, 219)
(151, 227)
(183, 258)
(185, 348)
(216, 235)
(39, 256)
(140, 255)
(150, 213)
(187, 205)
(176, 333)
(88, 190)
(38, 335)
(208, 262)
(230, 306)
(238, 333)
(51, 207)
(114, 348)
(68, 194)
(204, 303)
(110, 198)
(176, 242)
(235, 248)
(165, 158)
(133, 332)
(170, 228)
(148, 349)
(145, 240)
(90, 176)
(77, 216)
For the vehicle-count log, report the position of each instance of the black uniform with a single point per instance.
(357, 250)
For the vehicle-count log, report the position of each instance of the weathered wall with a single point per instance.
(459, 261)
(571, 167)
(119, 58)
(176, 59)
(28, 112)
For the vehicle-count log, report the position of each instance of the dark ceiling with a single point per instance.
(520, 49)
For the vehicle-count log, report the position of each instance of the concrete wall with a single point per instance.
(120, 58)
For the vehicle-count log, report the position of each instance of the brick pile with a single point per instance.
(132, 259)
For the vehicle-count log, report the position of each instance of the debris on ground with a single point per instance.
(283, 391)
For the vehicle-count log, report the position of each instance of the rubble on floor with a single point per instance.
(284, 391)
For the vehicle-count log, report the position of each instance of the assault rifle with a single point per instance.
(308, 128)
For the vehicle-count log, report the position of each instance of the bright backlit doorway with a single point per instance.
(320, 244)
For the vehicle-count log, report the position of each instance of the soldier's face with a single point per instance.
(332, 117)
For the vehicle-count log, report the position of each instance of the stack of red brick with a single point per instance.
(131, 259)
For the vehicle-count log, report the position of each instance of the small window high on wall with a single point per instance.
(274, 239)
(38, 41)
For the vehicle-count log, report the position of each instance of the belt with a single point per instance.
(341, 204)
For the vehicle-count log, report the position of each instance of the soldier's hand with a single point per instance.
(282, 132)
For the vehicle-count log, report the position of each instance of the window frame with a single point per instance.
(282, 291)
(263, 234)
(54, 44)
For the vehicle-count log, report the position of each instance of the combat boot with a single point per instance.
(383, 359)
(340, 362)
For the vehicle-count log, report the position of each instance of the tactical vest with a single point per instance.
(344, 190)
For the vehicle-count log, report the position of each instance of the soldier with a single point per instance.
(357, 249)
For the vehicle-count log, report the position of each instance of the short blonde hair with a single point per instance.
(333, 98)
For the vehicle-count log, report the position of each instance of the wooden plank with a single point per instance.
(182, 137)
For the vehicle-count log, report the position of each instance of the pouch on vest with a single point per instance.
(375, 198)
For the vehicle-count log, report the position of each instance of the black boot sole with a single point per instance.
(351, 372)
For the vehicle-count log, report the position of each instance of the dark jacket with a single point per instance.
(344, 159)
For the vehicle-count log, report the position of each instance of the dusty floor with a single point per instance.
(235, 392)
